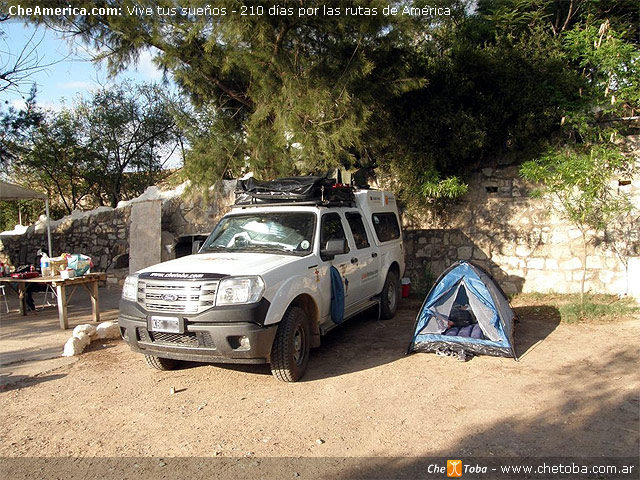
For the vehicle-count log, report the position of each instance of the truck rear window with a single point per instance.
(386, 226)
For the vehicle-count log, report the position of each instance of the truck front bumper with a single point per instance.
(202, 341)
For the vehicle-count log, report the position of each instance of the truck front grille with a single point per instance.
(176, 297)
(187, 339)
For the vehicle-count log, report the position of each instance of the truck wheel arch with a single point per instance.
(394, 267)
(308, 304)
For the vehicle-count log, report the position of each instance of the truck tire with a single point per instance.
(290, 351)
(160, 363)
(390, 295)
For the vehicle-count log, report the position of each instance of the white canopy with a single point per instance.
(9, 191)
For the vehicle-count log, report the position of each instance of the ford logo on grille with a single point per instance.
(170, 297)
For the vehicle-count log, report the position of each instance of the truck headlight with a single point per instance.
(130, 288)
(235, 290)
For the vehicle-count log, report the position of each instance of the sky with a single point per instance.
(69, 72)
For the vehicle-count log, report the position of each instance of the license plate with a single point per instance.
(164, 324)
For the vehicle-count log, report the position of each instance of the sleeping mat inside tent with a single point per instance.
(465, 312)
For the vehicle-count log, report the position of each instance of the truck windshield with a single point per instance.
(287, 232)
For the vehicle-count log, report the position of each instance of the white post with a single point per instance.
(46, 209)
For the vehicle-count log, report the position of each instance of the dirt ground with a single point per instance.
(574, 393)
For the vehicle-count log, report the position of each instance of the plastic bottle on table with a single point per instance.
(45, 265)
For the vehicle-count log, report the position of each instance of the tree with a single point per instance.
(579, 170)
(16, 68)
(622, 235)
(108, 148)
(59, 159)
(16, 130)
(282, 92)
(580, 185)
(425, 98)
(131, 134)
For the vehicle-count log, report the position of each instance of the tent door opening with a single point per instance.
(462, 322)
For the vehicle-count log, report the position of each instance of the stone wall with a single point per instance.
(103, 234)
(497, 225)
(193, 214)
(523, 242)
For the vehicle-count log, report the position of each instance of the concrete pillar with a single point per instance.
(145, 234)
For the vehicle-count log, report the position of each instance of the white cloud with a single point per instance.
(18, 104)
(48, 105)
(146, 66)
(77, 85)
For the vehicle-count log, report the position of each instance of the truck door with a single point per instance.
(332, 229)
(365, 257)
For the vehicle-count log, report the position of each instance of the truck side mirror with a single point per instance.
(333, 247)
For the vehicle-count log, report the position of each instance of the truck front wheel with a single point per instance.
(290, 351)
(160, 363)
(390, 295)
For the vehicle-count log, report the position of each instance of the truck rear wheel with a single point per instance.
(290, 351)
(390, 295)
(160, 363)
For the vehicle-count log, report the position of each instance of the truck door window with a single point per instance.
(331, 229)
(357, 230)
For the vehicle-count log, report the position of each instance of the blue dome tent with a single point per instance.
(465, 313)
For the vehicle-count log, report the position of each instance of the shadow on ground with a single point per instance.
(361, 343)
(11, 382)
(595, 424)
(535, 323)
(364, 342)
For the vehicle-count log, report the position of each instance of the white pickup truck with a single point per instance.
(269, 281)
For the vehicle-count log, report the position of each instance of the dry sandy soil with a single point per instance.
(574, 393)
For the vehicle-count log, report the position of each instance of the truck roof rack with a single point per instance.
(308, 190)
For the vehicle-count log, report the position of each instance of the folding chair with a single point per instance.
(4, 298)
(49, 293)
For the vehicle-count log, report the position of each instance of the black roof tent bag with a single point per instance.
(291, 189)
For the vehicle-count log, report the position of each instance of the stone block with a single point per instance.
(606, 276)
(535, 263)
(594, 261)
(464, 253)
(478, 254)
(574, 234)
(551, 264)
(572, 264)
(558, 237)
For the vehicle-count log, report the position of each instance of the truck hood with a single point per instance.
(224, 263)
